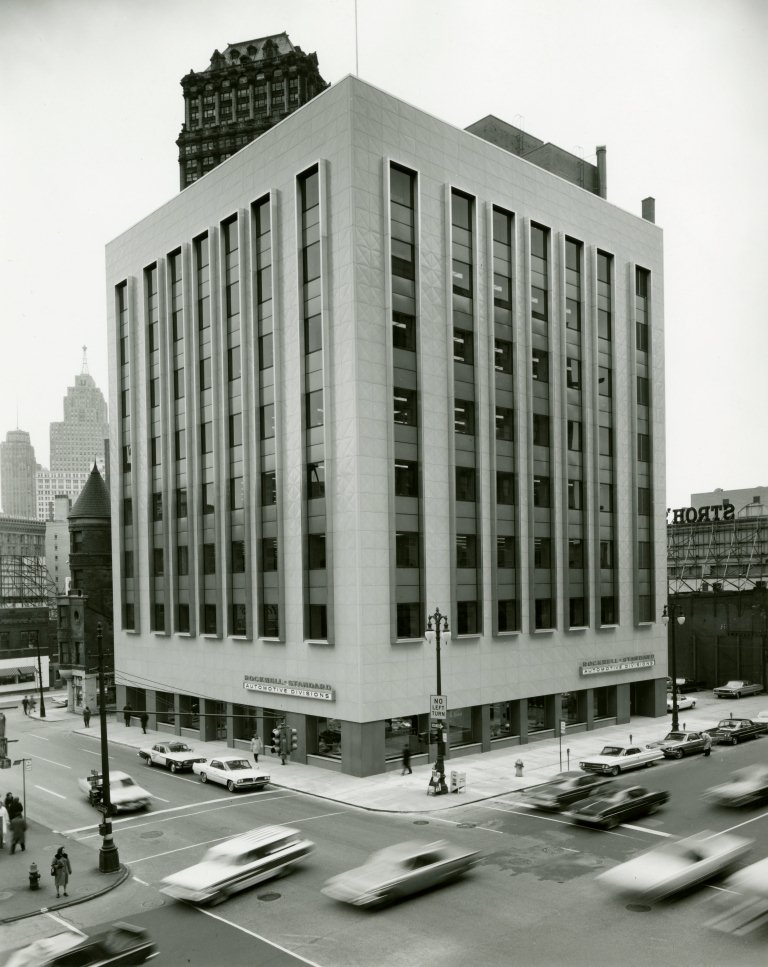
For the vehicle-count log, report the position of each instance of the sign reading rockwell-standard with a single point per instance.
(287, 686)
(602, 665)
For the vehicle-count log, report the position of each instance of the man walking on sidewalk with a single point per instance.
(25, 705)
(127, 714)
(18, 833)
(86, 716)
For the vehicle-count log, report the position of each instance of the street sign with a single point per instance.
(27, 765)
(563, 727)
(439, 708)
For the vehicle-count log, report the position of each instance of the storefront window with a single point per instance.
(460, 729)
(328, 738)
(410, 730)
(189, 711)
(572, 709)
(502, 720)
(601, 703)
(165, 708)
(246, 724)
(539, 715)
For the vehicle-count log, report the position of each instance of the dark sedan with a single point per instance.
(675, 745)
(618, 806)
(731, 731)
(565, 789)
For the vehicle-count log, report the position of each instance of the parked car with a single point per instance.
(124, 793)
(617, 805)
(747, 787)
(675, 745)
(230, 771)
(565, 789)
(238, 863)
(176, 756)
(737, 689)
(730, 731)
(614, 759)
(120, 943)
(676, 866)
(398, 871)
(683, 702)
(686, 685)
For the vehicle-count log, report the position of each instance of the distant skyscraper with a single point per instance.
(79, 439)
(17, 474)
(240, 95)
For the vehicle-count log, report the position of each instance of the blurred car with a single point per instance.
(120, 943)
(176, 756)
(746, 787)
(676, 866)
(398, 871)
(686, 685)
(566, 788)
(617, 806)
(675, 745)
(730, 731)
(124, 793)
(743, 903)
(737, 689)
(683, 702)
(614, 759)
(230, 771)
(761, 716)
(238, 863)
(58, 701)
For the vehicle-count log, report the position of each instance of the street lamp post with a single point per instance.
(671, 614)
(437, 623)
(760, 610)
(40, 675)
(109, 858)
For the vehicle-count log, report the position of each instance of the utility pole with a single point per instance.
(109, 859)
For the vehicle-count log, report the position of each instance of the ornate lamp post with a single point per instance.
(109, 858)
(40, 675)
(671, 614)
(437, 623)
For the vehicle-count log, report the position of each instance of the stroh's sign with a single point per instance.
(693, 515)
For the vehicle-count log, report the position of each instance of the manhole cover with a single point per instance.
(5, 896)
(267, 897)
(638, 907)
(466, 825)
(152, 834)
(421, 822)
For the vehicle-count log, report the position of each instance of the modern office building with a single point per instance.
(17, 474)
(21, 537)
(78, 440)
(240, 95)
(371, 367)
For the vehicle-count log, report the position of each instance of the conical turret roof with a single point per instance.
(94, 498)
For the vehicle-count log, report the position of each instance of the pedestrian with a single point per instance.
(18, 833)
(8, 800)
(127, 714)
(4, 821)
(14, 807)
(707, 744)
(61, 869)
(25, 705)
(406, 761)
(86, 716)
(144, 718)
(257, 747)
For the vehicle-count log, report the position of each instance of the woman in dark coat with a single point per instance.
(61, 869)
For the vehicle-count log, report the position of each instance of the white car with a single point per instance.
(124, 793)
(747, 787)
(230, 771)
(238, 863)
(683, 702)
(175, 756)
(614, 759)
(676, 866)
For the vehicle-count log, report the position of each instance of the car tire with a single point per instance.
(693, 703)
(172, 766)
(678, 753)
(737, 695)
(611, 823)
(231, 786)
(614, 771)
(203, 777)
(733, 740)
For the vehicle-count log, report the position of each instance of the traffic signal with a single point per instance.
(294, 740)
(275, 741)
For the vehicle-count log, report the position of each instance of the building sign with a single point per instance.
(289, 687)
(602, 665)
(439, 708)
(692, 515)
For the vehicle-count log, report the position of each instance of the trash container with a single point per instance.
(458, 781)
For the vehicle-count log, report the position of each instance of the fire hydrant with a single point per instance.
(34, 877)
(519, 767)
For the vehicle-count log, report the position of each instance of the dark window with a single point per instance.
(235, 429)
(128, 564)
(209, 558)
(313, 334)
(406, 478)
(268, 488)
(155, 451)
(606, 498)
(573, 373)
(643, 448)
(573, 314)
(463, 347)
(540, 365)
(409, 621)
(318, 621)
(543, 613)
(641, 337)
(507, 612)
(316, 551)
(182, 619)
(466, 618)
(465, 483)
(574, 436)
(466, 550)
(159, 623)
(505, 423)
(270, 620)
(206, 437)
(269, 554)
(645, 603)
(129, 618)
(127, 511)
(575, 495)
(238, 557)
(643, 391)
(239, 626)
(542, 552)
(606, 555)
(606, 441)
(209, 498)
(157, 506)
(404, 331)
(644, 501)
(205, 373)
(502, 353)
(315, 480)
(577, 613)
(125, 403)
(180, 445)
(464, 417)
(178, 383)
(405, 406)
(315, 415)
(505, 487)
(604, 381)
(209, 619)
(644, 554)
(182, 560)
(236, 493)
(407, 549)
(505, 551)
(126, 458)
(541, 497)
(575, 553)
(267, 421)
(158, 562)
(234, 367)
(608, 610)
(540, 430)
(154, 392)
(181, 502)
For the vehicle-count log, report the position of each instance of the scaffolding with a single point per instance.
(718, 555)
(26, 583)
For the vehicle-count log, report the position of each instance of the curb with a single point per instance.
(124, 873)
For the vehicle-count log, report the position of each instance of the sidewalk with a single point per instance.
(487, 775)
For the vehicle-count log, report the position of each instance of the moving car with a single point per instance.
(121, 943)
(617, 806)
(397, 871)
(565, 789)
(747, 787)
(675, 745)
(124, 793)
(176, 756)
(737, 689)
(683, 702)
(614, 759)
(230, 771)
(730, 731)
(676, 866)
(743, 902)
(238, 863)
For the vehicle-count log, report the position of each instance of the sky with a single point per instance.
(91, 106)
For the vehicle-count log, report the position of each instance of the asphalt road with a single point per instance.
(533, 899)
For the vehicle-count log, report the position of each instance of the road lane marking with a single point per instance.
(564, 822)
(92, 752)
(34, 735)
(730, 829)
(455, 822)
(143, 882)
(65, 923)
(50, 792)
(257, 936)
(49, 761)
(644, 829)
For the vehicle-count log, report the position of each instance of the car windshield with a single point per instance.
(612, 750)
(674, 737)
(179, 747)
(123, 782)
(234, 764)
(727, 724)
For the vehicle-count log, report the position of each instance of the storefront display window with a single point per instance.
(502, 720)
(246, 724)
(539, 714)
(601, 703)
(410, 730)
(572, 709)
(328, 737)
(460, 727)
(165, 708)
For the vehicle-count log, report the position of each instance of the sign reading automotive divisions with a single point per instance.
(294, 689)
(602, 665)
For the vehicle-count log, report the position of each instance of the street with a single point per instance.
(533, 896)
